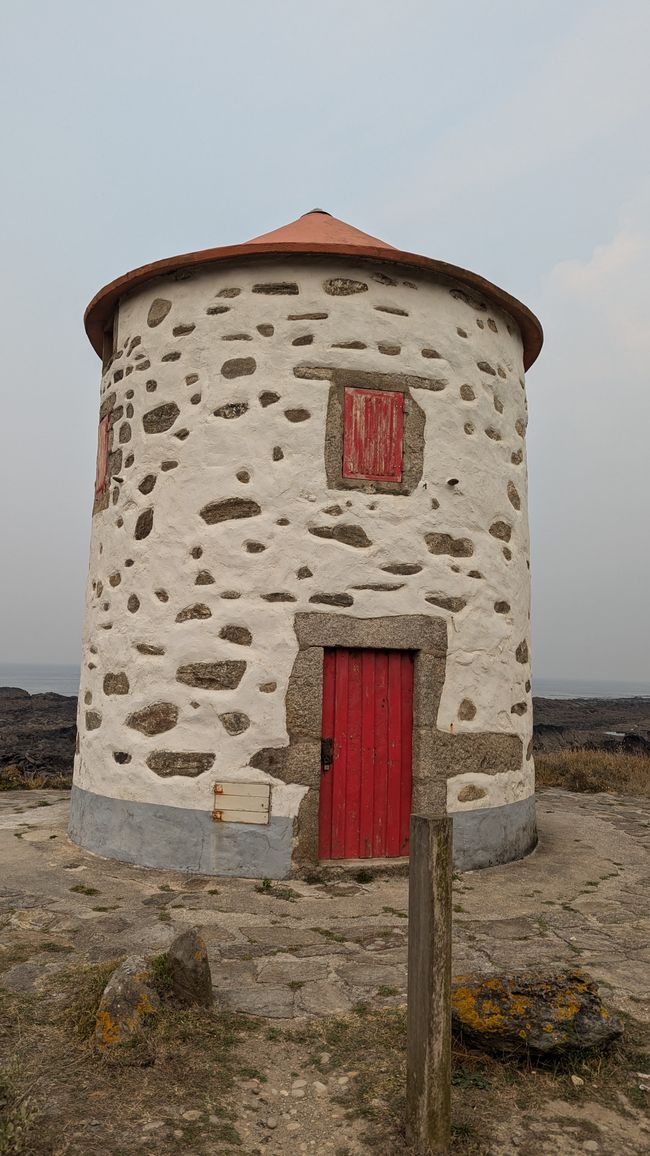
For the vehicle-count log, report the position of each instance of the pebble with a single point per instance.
(271, 1122)
(299, 1084)
(343, 1080)
(577, 1082)
(153, 1124)
(193, 1114)
(324, 1058)
(178, 1135)
(298, 1093)
(591, 1146)
(319, 1088)
(293, 1127)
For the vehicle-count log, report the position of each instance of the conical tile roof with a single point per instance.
(316, 232)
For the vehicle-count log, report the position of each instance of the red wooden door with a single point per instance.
(365, 791)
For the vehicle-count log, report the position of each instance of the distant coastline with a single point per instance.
(38, 678)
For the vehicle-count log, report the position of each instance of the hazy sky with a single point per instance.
(510, 137)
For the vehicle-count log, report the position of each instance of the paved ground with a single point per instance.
(301, 950)
(582, 897)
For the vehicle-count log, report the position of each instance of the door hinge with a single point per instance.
(326, 754)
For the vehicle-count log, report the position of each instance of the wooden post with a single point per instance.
(428, 1073)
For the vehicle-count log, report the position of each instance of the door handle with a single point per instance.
(326, 754)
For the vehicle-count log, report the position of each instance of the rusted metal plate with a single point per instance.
(373, 434)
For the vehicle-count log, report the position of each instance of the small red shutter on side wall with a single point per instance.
(373, 427)
(102, 456)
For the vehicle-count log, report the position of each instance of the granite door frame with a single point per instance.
(425, 636)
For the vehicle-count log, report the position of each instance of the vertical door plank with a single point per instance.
(366, 818)
(394, 753)
(353, 787)
(381, 754)
(406, 776)
(373, 434)
(325, 805)
(339, 765)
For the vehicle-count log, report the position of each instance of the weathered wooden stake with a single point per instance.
(428, 1074)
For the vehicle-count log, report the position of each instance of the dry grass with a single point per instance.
(484, 1088)
(59, 1098)
(15, 778)
(620, 773)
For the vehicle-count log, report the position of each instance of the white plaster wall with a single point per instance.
(481, 666)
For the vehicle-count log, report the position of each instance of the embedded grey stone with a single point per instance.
(188, 763)
(521, 653)
(513, 496)
(296, 415)
(93, 720)
(225, 675)
(240, 635)
(229, 508)
(158, 311)
(446, 544)
(501, 530)
(116, 683)
(485, 367)
(231, 409)
(204, 578)
(402, 568)
(161, 418)
(154, 719)
(147, 484)
(238, 367)
(343, 286)
(348, 535)
(198, 610)
(144, 525)
(333, 599)
(466, 710)
(446, 602)
(275, 288)
(235, 722)
(268, 397)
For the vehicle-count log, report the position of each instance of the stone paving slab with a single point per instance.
(580, 898)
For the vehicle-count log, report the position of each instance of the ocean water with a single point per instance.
(37, 678)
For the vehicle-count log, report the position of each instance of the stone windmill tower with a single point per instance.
(308, 601)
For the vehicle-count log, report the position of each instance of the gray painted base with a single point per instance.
(181, 839)
(494, 835)
(178, 838)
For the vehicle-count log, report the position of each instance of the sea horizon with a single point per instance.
(63, 678)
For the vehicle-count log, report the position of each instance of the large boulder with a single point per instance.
(128, 999)
(191, 980)
(532, 1012)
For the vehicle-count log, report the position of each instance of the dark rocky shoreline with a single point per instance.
(37, 731)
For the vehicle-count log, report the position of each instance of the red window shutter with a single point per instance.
(102, 456)
(373, 430)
